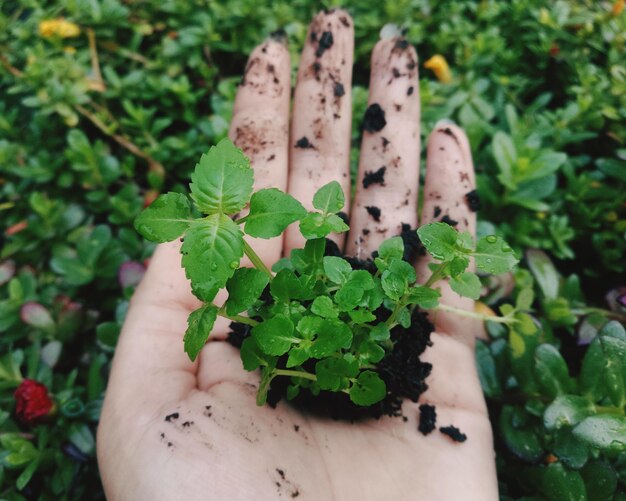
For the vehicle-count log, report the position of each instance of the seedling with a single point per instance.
(313, 318)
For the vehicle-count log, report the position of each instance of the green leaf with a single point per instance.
(324, 307)
(566, 410)
(439, 240)
(424, 297)
(310, 326)
(351, 293)
(333, 373)
(316, 225)
(367, 389)
(333, 335)
(506, 158)
(244, 288)
(603, 371)
(337, 269)
(252, 356)
(600, 480)
(271, 211)
(569, 449)
(222, 181)
(329, 198)
(298, 355)
(275, 335)
(166, 219)
(544, 272)
(200, 323)
(391, 249)
(361, 316)
(487, 371)
(211, 251)
(551, 371)
(493, 255)
(561, 484)
(287, 286)
(520, 437)
(604, 431)
(466, 284)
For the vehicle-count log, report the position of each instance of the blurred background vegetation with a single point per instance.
(106, 103)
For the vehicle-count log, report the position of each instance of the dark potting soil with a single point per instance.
(374, 177)
(454, 433)
(401, 369)
(428, 419)
(374, 118)
(448, 220)
(473, 200)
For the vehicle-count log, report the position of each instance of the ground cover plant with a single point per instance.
(113, 103)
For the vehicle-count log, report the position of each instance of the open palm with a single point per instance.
(175, 429)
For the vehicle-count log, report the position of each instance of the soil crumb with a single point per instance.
(374, 212)
(325, 43)
(339, 89)
(374, 177)
(402, 44)
(437, 211)
(448, 220)
(473, 200)
(171, 417)
(374, 119)
(409, 91)
(428, 419)
(454, 433)
(303, 142)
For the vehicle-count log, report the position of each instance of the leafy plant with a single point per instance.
(319, 307)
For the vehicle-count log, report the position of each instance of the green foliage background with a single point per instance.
(539, 86)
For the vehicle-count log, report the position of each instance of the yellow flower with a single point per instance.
(440, 67)
(58, 27)
(618, 7)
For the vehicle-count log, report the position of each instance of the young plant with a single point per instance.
(313, 318)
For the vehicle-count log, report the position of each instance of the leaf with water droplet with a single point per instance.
(490, 255)
(244, 288)
(210, 245)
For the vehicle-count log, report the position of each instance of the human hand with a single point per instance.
(176, 429)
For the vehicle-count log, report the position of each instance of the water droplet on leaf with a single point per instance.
(233, 265)
(492, 239)
(213, 267)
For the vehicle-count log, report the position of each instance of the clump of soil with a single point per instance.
(374, 177)
(401, 369)
(454, 433)
(374, 119)
(473, 200)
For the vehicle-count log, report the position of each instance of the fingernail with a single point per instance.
(279, 36)
(390, 30)
(444, 122)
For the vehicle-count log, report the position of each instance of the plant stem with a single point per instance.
(256, 260)
(615, 411)
(471, 314)
(436, 275)
(302, 374)
(237, 318)
(241, 220)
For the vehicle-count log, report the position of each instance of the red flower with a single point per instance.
(32, 402)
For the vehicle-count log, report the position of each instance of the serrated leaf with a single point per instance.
(367, 389)
(467, 284)
(165, 219)
(332, 336)
(200, 323)
(337, 269)
(329, 198)
(332, 373)
(222, 181)
(211, 251)
(271, 211)
(439, 240)
(317, 225)
(424, 297)
(324, 307)
(309, 326)
(493, 255)
(244, 288)
(252, 356)
(287, 286)
(275, 335)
